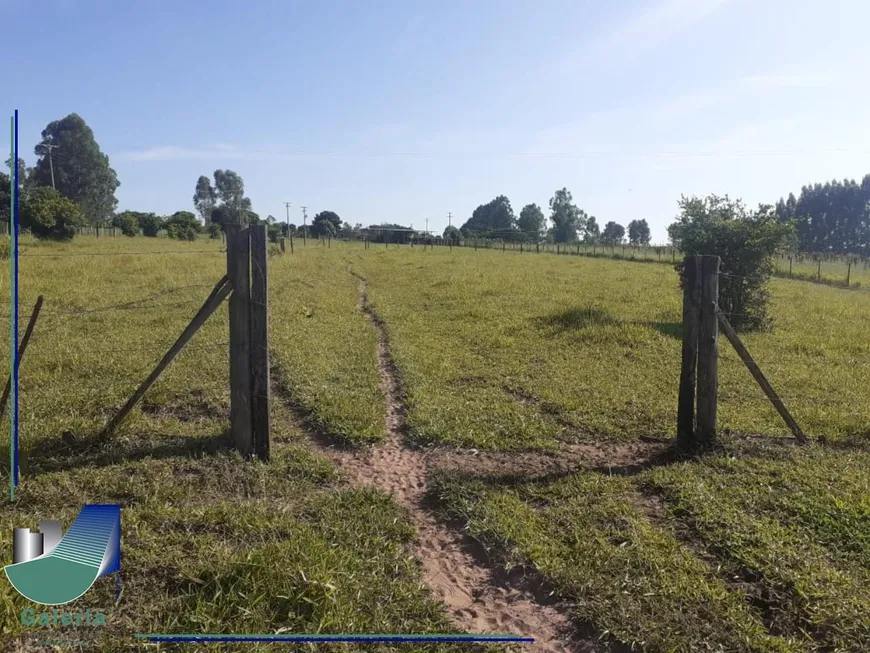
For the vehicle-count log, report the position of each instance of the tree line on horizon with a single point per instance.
(72, 184)
(567, 223)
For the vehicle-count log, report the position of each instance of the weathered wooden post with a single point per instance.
(686, 399)
(708, 350)
(259, 319)
(238, 271)
(849, 274)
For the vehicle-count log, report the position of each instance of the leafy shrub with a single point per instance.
(275, 232)
(127, 222)
(49, 215)
(190, 235)
(180, 223)
(746, 243)
(150, 224)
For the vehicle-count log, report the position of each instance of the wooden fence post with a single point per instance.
(849, 274)
(691, 304)
(259, 342)
(238, 271)
(283, 246)
(819, 270)
(708, 350)
(789, 266)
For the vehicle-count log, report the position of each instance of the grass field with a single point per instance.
(834, 270)
(513, 351)
(760, 546)
(210, 543)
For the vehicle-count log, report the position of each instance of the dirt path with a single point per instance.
(478, 599)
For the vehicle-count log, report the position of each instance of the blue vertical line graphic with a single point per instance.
(14, 312)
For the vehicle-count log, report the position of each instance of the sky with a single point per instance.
(403, 111)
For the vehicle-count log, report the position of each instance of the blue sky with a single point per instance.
(401, 111)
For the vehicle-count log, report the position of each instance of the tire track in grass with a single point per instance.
(478, 599)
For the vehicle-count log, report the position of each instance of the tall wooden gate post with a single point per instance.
(686, 399)
(259, 342)
(700, 352)
(238, 271)
(708, 350)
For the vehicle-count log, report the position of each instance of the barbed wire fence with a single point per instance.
(114, 341)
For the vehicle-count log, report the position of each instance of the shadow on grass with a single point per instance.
(579, 318)
(68, 453)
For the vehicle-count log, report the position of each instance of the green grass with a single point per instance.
(210, 543)
(324, 345)
(516, 351)
(761, 550)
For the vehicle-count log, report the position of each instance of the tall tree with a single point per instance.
(613, 233)
(204, 198)
(81, 171)
(568, 220)
(532, 223)
(591, 232)
(233, 206)
(452, 235)
(493, 220)
(326, 223)
(638, 232)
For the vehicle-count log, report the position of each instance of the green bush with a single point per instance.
(180, 223)
(213, 229)
(746, 243)
(127, 222)
(150, 224)
(275, 232)
(49, 215)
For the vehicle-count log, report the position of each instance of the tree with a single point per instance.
(638, 232)
(234, 207)
(81, 171)
(49, 215)
(179, 223)
(325, 223)
(613, 233)
(567, 219)
(591, 232)
(150, 224)
(493, 220)
(831, 217)
(204, 198)
(213, 229)
(532, 223)
(452, 235)
(127, 222)
(746, 243)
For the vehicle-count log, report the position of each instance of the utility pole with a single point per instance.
(304, 226)
(49, 147)
(449, 219)
(287, 206)
(427, 227)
